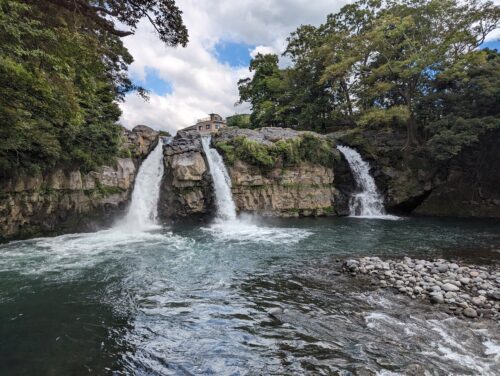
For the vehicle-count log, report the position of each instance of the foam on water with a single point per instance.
(227, 226)
(448, 340)
(76, 252)
(244, 230)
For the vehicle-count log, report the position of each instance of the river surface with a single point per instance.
(195, 300)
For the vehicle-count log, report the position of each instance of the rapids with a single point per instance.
(183, 301)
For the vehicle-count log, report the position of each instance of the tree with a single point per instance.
(464, 104)
(375, 63)
(264, 91)
(63, 68)
(412, 41)
(102, 16)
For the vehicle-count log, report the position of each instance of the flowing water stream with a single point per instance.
(143, 211)
(226, 209)
(180, 301)
(367, 202)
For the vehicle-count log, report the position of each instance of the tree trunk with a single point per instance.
(411, 124)
(343, 84)
(411, 133)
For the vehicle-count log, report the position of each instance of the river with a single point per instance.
(195, 299)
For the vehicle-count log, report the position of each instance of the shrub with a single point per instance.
(307, 147)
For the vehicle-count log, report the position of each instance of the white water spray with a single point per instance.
(143, 211)
(227, 225)
(226, 209)
(367, 202)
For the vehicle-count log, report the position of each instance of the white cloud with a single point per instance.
(263, 50)
(200, 83)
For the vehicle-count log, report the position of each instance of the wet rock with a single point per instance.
(436, 298)
(458, 288)
(275, 312)
(470, 312)
(450, 287)
(495, 295)
(442, 268)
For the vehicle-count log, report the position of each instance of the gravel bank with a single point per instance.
(466, 290)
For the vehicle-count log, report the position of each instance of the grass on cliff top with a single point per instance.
(305, 148)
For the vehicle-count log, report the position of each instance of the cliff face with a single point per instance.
(302, 190)
(186, 186)
(413, 182)
(471, 186)
(65, 200)
(275, 186)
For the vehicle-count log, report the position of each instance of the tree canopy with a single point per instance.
(63, 68)
(397, 64)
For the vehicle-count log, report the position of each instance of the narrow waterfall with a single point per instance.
(367, 202)
(143, 210)
(226, 209)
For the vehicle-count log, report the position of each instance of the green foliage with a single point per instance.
(286, 152)
(394, 64)
(63, 68)
(227, 150)
(239, 120)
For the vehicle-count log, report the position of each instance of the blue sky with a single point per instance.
(495, 44)
(153, 82)
(188, 83)
(234, 54)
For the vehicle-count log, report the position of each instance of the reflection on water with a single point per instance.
(185, 301)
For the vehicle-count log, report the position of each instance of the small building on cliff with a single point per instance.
(208, 125)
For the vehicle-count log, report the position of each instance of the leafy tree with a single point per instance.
(264, 91)
(239, 120)
(413, 40)
(63, 68)
(464, 104)
(383, 63)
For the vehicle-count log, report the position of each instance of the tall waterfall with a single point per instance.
(226, 209)
(143, 210)
(367, 202)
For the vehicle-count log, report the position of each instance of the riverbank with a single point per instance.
(472, 291)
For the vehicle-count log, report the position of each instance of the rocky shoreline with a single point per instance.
(462, 290)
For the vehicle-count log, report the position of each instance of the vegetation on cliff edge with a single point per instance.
(307, 147)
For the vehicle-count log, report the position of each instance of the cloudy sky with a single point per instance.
(188, 83)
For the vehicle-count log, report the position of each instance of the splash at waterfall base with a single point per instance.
(65, 200)
(298, 188)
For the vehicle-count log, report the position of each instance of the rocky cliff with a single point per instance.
(65, 200)
(186, 186)
(274, 172)
(467, 185)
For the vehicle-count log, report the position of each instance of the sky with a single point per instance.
(188, 83)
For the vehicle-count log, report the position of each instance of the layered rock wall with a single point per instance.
(66, 200)
(186, 186)
(282, 189)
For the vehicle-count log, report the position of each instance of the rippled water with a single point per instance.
(196, 299)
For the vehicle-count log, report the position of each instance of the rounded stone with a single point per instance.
(436, 298)
(450, 287)
(470, 312)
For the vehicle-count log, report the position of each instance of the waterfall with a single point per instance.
(143, 210)
(226, 209)
(367, 202)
